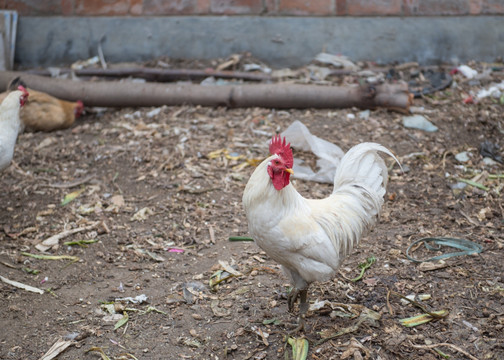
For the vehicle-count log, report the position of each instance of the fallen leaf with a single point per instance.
(117, 200)
(99, 350)
(429, 266)
(71, 197)
(484, 213)
(57, 348)
(142, 214)
(225, 265)
(354, 349)
(122, 322)
(421, 319)
(46, 142)
(299, 348)
(21, 285)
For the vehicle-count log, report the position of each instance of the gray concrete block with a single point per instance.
(279, 41)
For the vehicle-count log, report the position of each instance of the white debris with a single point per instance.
(419, 122)
(339, 61)
(131, 116)
(153, 112)
(489, 161)
(319, 73)
(494, 91)
(21, 285)
(364, 114)
(257, 67)
(142, 214)
(319, 304)
(328, 154)
(78, 65)
(467, 71)
(414, 297)
(136, 300)
(470, 326)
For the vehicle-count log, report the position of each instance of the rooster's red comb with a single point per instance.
(282, 148)
(276, 145)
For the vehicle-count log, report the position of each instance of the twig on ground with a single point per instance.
(456, 348)
(54, 240)
(21, 285)
(71, 184)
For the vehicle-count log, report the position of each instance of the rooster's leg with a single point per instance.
(303, 307)
(291, 299)
(303, 303)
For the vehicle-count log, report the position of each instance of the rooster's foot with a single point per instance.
(303, 307)
(300, 326)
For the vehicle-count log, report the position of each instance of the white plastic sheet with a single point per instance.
(329, 155)
(496, 91)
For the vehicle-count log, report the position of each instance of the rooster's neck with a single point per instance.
(266, 205)
(9, 119)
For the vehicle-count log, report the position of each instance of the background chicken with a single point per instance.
(10, 124)
(310, 238)
(44, 112)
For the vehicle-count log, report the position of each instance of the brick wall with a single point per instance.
(255, 7)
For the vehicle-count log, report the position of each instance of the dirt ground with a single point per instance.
(158, 210)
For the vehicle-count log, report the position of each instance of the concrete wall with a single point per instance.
(280, 32)
(280, 41)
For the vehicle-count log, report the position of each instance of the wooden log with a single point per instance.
(159, 75)
(128, 94)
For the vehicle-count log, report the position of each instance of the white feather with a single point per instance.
(310, 238)
(9, 127)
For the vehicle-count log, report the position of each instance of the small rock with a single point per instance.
(117, 200)
(153, 112)
(419, 122)
(489, 161)
(112, 318)
(462, 157)
(364, 115)
(417, 109)
(458, 185)
(474, 82)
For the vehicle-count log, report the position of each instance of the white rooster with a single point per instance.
(10, 124)
(311, 237)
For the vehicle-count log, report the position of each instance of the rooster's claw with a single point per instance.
(299, 327)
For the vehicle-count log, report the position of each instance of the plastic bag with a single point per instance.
(329, 155)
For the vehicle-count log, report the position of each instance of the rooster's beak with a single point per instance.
(290, 171)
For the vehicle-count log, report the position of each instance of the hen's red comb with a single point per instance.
(282, 148)
(23, 89)
(79, 108)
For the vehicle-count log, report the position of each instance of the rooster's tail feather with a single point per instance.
(365, 172)
(359, 186)
(362, 164)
